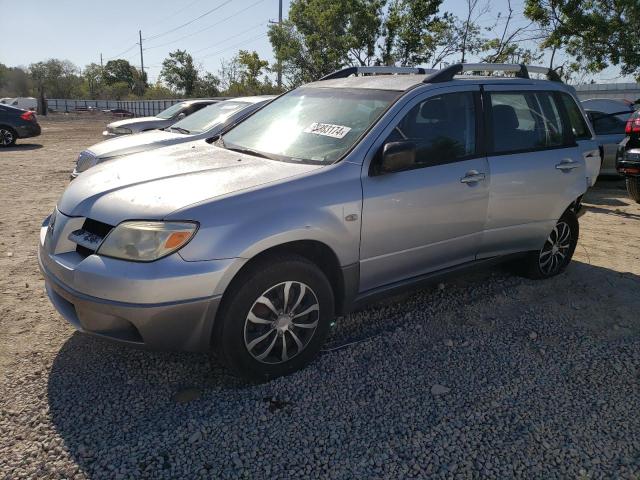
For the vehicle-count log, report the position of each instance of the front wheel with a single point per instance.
(557, 251)
(633, 188)
(274, 319)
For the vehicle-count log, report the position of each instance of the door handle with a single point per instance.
(472, 176)
(567, 164)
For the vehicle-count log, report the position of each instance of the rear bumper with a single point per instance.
(28, 130)
(629, 163)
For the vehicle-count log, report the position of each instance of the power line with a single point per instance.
(178, 11)
(208, 12)
(123, 52)
(253, 27)
(234, 46)
(208, 27)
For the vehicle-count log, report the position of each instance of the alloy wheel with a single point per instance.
(6, 137)
(281, 322)
(555, 250)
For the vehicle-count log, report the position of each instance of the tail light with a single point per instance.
(632, 126)
(28, 116)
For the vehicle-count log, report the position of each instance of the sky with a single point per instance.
(211, 30)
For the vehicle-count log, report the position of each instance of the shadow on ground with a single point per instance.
(22, 147)
(114, 405)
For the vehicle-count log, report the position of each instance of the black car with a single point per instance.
(628, 159)
(16, 123)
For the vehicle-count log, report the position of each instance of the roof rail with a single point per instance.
(381, 70)
(521, 71)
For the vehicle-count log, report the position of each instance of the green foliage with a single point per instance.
(14, 82)
(57, 78)
(241, 75)
(179, 72)
(321, 36)
(597, 33)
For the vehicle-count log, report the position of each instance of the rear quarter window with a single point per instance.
(576, 119)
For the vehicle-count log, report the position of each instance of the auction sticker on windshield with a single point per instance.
(328, 130)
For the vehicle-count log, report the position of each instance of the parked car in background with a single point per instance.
(608, 118)
(331, 195)
(628, 163)
(24, 103)
(163, 119)
(16, 123)
(205, 123)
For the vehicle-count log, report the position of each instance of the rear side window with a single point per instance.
(607, 124)
(578, 124)
(525, 121)
(442, 128)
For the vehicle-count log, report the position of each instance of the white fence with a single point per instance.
(140, 108)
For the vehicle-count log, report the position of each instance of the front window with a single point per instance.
(316, 125)
(208, 117)
(170, 112)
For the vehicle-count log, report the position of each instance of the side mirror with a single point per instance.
(181, 116)
(397, 156)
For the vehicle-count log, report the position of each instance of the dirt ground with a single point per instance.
(601, 289)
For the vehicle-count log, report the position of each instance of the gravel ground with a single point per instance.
(488, 376)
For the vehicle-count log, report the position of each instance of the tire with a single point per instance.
(633, 188)
(258, 341)
(557, 251)
(8, 136)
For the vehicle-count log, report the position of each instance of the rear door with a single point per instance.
(431, 215)
(536, 167)
(588, 145)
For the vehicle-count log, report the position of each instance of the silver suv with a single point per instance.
(354, 186)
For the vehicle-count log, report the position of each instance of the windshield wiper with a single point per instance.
(248, 151)
(180, 130)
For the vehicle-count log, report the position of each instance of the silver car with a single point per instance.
(205, 123)
(608, 119)
(333, 194)
(163, 119)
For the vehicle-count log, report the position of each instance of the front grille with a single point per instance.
(90, 236)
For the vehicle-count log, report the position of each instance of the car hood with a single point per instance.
(127, 144)
(151, 185)
(137, 122)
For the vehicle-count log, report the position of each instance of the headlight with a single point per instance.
(122, 130)
(146, 241)
(85, 161)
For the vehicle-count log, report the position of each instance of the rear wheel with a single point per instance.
(633, 188)
(274, 319)
(557, 251)
(7, 137)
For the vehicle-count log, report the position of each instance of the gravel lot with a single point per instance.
(488, 376)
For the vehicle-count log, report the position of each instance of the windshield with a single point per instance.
(316, 125)
(171, 111)
(208, 117)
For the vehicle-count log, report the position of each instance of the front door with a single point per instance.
(429, 215)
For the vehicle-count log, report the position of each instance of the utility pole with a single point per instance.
(101, 66)
(142, 82)
(279, 64)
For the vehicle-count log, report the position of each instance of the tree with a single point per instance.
(321, 36)
(597, 33)
(409, 29)
(119, 71)
(14, 82)
(242, 75)
(179, 72)
(208, 85)
(56, 78)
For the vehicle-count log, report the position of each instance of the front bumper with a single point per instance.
(169, 304)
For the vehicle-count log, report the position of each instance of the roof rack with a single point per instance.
(381, 70)
(521, 71)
